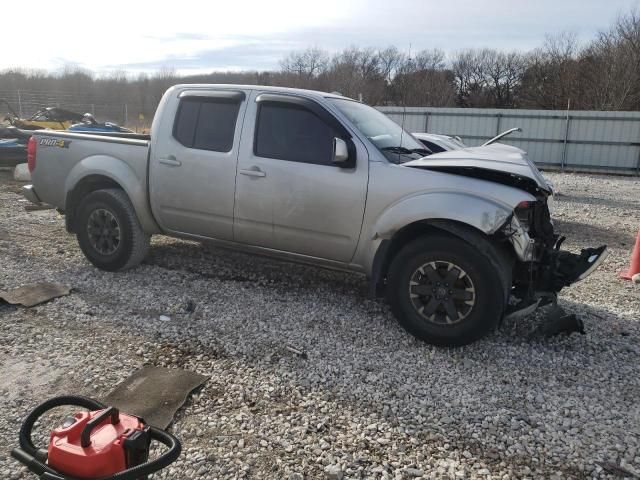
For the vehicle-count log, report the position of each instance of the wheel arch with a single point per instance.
(84, 187)
(501, 255)
(100, 172)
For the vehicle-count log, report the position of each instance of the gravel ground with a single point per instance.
(366, 400)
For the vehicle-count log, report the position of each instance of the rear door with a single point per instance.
(289, 195)
(193, 164)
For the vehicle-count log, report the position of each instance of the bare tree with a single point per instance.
(610, 67)
(305, 65)
(469, 70)
(424, 80)
(357, 72)
(552, 76)
(503, 74)
(390, 59)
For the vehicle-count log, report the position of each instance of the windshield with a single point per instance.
(396, 144)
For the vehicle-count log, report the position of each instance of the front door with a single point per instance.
(289, 195)
(192, 170)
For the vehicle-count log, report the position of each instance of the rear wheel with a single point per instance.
(445, 291)
(108, 231)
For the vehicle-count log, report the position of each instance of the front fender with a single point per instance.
(121, 173)
(481, 213)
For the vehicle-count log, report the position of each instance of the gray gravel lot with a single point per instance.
(368, 401)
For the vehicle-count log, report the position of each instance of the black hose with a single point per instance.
(35, 458)
(67, 400)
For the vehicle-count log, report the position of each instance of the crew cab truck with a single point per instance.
(455, 241)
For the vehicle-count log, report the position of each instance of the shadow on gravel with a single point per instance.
(607, 334)
(626, 204)
(228, 265)
(593, 235)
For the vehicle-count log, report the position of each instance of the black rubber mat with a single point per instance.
(155, 394)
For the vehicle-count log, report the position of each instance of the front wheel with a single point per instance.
(445, 291)
(108, 231)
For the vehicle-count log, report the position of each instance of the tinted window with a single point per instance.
(206, 124)
(288, 132)
(186, 119)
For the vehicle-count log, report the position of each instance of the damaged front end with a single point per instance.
(542, 269)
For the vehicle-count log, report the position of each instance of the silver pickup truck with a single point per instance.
(455, 241)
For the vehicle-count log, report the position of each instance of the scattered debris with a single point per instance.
(190, 306)
(35, 294)
(566, 324)
(558, 322)
(297, 351)
(34, 207)
(165, 318)
(614, 469)
(360, 374)
(155, 393)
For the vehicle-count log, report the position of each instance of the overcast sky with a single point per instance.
(200, 36)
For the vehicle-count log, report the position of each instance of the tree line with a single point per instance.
(603, 74)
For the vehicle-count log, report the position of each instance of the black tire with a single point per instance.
(121, 253)
(480, 283)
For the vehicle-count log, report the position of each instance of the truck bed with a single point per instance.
(60, 164)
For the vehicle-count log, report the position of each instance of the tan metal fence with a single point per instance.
(554, 139)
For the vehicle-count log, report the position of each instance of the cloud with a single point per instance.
(254, 34)
(246, 54)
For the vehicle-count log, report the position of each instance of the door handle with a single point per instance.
(254, 172)
(170, 161)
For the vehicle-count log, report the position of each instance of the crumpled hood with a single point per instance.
(496, 157)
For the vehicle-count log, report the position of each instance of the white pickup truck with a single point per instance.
(455, 241)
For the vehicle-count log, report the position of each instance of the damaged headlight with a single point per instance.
(535, 218)
(524, 213)
(519, 237)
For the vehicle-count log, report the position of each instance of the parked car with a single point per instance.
(455, 241)
(439, 143)
(445, 143)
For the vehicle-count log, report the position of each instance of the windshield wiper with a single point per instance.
(407, 151)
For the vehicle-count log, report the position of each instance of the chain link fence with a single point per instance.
(25, 103)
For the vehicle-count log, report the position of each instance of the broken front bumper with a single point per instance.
(542, 269)
(556, 270)
(545, 266)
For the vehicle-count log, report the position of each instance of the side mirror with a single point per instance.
(340, 153)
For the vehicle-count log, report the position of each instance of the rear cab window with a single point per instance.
(206, 123)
